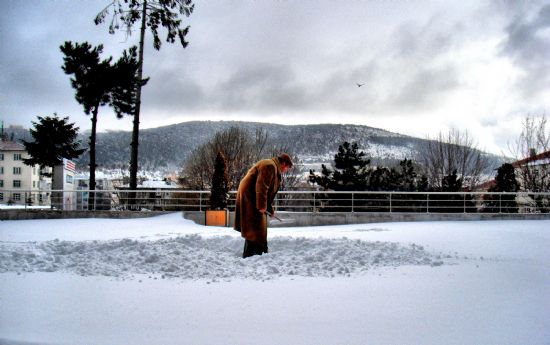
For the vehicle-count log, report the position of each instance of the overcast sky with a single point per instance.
(426, 66)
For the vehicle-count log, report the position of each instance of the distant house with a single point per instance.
(104, 198)
(541, 159)
(540, 162)
(151, 194)
(20, 183)
(112, 193)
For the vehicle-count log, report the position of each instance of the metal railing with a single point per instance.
(414, 202)
(291, 201)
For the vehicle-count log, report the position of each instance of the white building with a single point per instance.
(102, 200)
(20, 183)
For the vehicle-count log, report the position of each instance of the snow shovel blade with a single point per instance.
(286, 221)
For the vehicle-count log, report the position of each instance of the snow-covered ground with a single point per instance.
(166, 280)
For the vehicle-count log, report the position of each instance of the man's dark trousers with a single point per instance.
(253, 248)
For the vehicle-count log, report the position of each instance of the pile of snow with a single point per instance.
(195, 257)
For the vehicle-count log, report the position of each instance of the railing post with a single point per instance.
(314, 201)
(427, 203)
(200, 201)
(352, 201)
(391, 202)
(464, 196)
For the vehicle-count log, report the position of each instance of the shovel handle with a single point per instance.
(273, 216)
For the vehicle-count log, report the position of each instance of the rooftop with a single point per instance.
(541, 158)
(11, 146)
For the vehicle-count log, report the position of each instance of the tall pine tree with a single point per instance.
(220, 184)
(154, 15)
(92, 80)
(97, 83)
(53, 140)
(351, 170)
(505, 181)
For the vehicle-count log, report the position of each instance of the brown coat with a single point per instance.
(257, 191)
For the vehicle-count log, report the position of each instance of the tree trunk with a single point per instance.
(135, 132)
(53, 196)
(91, 198)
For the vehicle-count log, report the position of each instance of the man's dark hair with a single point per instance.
(285, 158)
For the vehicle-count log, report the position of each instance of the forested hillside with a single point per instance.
(166, 148)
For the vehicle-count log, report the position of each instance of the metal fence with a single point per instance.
(291, 201)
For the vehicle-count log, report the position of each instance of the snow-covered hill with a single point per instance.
(166, 148)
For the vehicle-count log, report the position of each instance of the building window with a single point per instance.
(1, 196)
(16, 156)
(1, 156)
(33, 184)
(1, 183)
(16, 196)
(16, 183)
(1, 170)
(17, 170)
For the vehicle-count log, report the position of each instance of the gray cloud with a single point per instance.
(260, 88)
(425, 40)
(528, 46)
(415, 69)
(426, 89)
(290, 60)
(173, 92)
(32, 82)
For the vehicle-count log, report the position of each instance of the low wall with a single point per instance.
(342, 218)
(22, 214)
(291, 218)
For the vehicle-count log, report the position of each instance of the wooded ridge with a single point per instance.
(166, 148)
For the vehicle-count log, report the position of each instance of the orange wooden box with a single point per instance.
(217, 217)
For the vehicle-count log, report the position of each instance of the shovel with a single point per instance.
(285, 221)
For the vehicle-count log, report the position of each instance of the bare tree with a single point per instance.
(450, 152)
(534, 140)
(241, 150)
(196, 172)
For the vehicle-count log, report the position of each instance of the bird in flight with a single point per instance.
(359, 85)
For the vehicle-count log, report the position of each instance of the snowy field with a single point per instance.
(166, 280)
